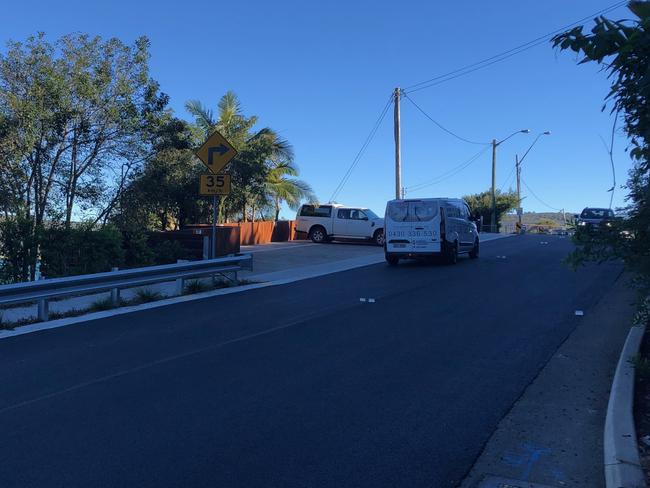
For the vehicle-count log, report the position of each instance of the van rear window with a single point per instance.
(314, 211)
(412, 211)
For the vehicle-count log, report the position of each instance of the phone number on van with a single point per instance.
(411, 233)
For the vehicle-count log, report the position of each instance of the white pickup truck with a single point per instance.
(323, 223)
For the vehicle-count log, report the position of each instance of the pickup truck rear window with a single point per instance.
(313, 211)
(412, 211)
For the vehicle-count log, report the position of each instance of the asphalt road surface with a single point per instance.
(301, 385)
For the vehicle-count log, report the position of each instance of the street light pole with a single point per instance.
(518, 168)
(493, 223)
(518, 171)
(494, 176)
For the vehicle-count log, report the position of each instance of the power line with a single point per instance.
(448, 174)
(441, 126)
(365, 145)
(507, 180)
(539, 199)
(505, 54)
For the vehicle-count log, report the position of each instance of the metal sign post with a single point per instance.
(213, 254)
(216, 152)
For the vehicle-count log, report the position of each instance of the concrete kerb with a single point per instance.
(621, 453)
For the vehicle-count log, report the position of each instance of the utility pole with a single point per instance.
(494, 185)
(518, 171)
(398, 147)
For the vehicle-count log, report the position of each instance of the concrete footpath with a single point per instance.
(553, 435)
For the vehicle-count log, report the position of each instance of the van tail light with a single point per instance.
(442, 224)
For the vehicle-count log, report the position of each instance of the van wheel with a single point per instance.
(452, 253)
(318, 235)
(392, 260)
(474, 252)
(379, 237)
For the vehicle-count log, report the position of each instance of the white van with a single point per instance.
(419, 228)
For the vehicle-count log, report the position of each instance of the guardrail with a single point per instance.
(44, 290)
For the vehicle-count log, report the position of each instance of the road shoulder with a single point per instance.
(553, 435)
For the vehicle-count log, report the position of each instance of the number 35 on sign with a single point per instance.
(218, 184)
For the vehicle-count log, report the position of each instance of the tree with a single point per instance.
(282, 186)
(162, 194)
(623, 49)
(76, 118)
(480, 204)
(260, 153)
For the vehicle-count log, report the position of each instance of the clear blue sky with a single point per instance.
(320, 72)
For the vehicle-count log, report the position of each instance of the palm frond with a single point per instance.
(280, 148)
(229, 107)
(203, 116)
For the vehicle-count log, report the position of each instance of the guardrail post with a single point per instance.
(180, 282)
(43, 305)
(115, 293)
(206, 247)
(43, 309)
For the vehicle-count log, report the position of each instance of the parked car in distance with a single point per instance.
(592, 218)
(429, 227)
(323, 223)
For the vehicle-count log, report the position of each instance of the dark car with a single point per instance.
(595, 218)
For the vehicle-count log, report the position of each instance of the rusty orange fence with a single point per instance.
(259, 232)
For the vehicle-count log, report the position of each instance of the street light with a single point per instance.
(494, 173)
(545, 133)
(518, 171)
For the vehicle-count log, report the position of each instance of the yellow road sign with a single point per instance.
(216, 152)
(214, 185)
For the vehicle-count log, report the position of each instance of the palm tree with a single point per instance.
(265, 150)
(282, 186)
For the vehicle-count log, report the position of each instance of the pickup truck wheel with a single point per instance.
(474, 252)
(318, 235)
(392, 260)
(379, 237)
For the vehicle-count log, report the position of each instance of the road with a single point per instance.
(300, 385)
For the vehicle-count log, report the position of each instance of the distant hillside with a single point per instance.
(534, 219)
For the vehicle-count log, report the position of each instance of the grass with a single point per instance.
(74, 312)
(196, 286)
(146, 295)
(101, 305)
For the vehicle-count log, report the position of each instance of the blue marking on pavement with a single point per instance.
(527, 457)
(534, 454)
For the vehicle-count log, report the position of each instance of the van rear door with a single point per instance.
(413, 226)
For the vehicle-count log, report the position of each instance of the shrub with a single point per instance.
(146, 295)
(101, 305)
(80, 250)
(168, 252)
(196, 286)
(18, 248)
(137, 252)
